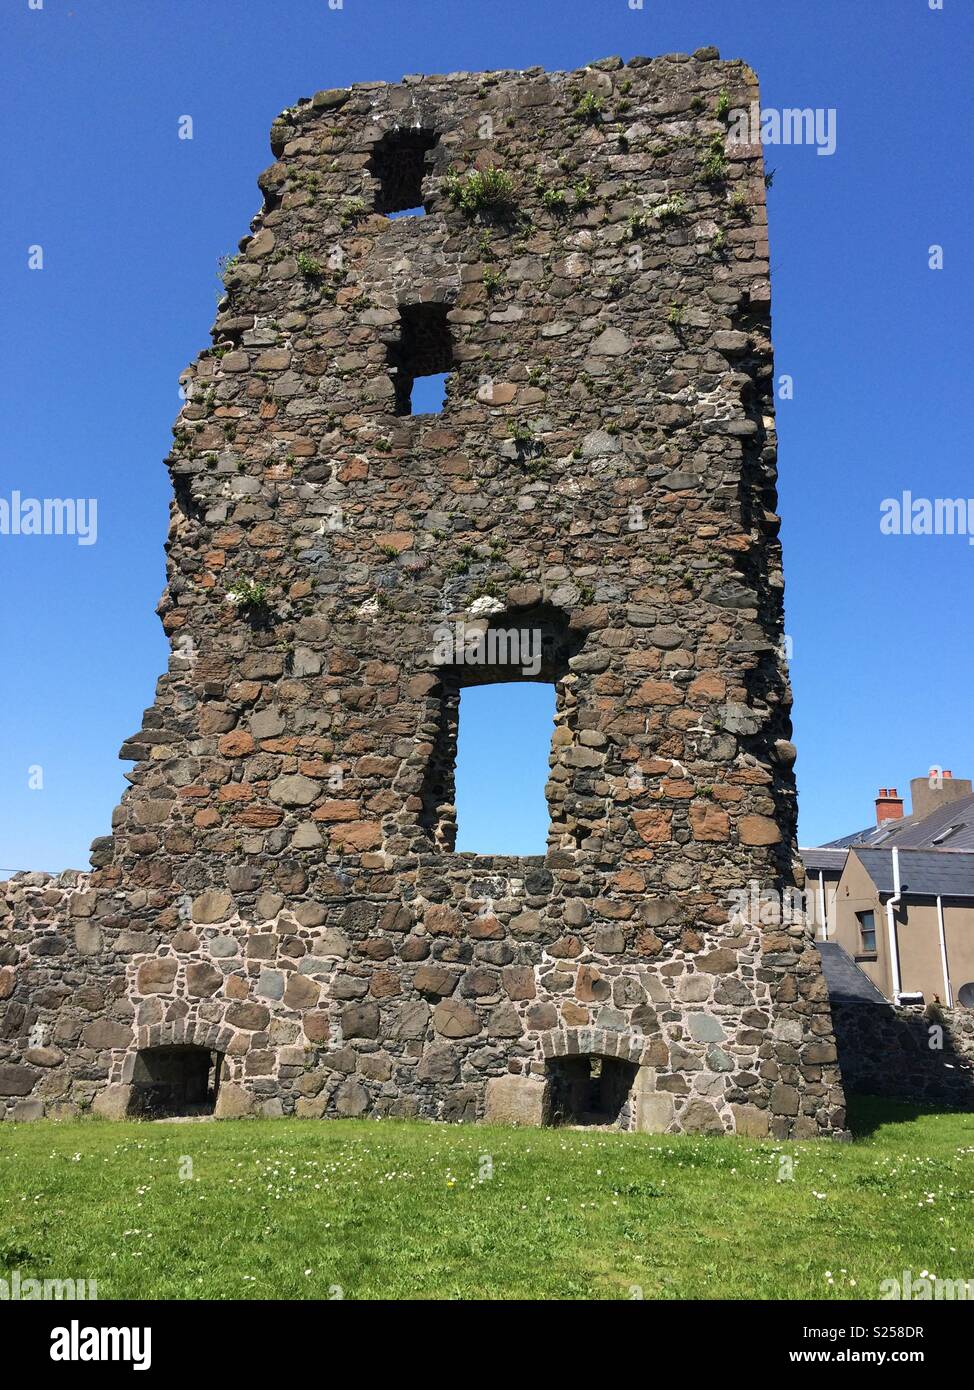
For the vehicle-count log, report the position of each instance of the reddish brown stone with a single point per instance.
(440, 920)
(758, 830)
(708, 822)
(518, 982)
(202, 979)
(653, 827)
(590, 987)
(236, 744)
(316, 1027)
(156, 976)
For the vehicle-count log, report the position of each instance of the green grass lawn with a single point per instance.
(294, 1208)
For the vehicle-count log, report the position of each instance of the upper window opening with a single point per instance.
(421, 359)
(399, 163)
(429, 394)
(867, 932)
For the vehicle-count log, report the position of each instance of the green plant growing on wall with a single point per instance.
(307, 180)
(225, 267)
(520, 433)
(739, 203)
(486, 588)
(249, 595)
(493, 281)
(638, 224)
(672, 209)
(723, 104)
(715, 165)
(555, 200)
(311, 269)
(351, 210)
(584, 191)
(589, 108)
(675, 315)
(481, 190)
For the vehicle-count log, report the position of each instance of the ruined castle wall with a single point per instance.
(279, 884)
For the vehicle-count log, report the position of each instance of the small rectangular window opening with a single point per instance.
(867, 932)
(179, 1080)
(589, 1090)
(421, 359)
(399, 164)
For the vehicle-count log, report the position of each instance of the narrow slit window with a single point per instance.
(421, 359)
(503, 750)
(399, 164)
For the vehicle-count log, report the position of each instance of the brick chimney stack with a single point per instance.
(889, 806)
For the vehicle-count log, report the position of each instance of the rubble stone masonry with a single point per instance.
(280, 887)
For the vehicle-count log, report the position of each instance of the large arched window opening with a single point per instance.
(503, 754)
(527, 646)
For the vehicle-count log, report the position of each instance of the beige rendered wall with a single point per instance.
(917, 935)
(959, 931)
(857, 893)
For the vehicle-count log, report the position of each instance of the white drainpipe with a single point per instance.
(821, 906)
(893, 902)
(948, 998)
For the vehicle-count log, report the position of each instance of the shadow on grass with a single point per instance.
(866, 1114)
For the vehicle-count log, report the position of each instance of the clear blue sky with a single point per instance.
(132, 220)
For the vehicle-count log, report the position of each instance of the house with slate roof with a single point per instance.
(898, 896)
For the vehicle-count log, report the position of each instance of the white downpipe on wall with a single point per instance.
(891, 904)
(948, 998)
(823, 910)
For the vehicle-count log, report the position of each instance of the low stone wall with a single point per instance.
(906, 1053)
(447, 1005)
(63, 1006)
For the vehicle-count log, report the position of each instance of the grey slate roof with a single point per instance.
(832, 860)
(910, 833)
(846, 982)
(871, 835)
(933, 872)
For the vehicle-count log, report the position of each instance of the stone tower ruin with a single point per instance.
(278, 922)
